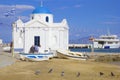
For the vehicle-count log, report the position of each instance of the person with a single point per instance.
(40, 50)
(36, 49)
(32, 49)
(11, 46)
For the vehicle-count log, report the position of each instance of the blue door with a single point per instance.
(37, 40)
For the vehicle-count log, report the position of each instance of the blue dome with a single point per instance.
(39, 10)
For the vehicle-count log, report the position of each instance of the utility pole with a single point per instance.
(92, 46)
(13, 25)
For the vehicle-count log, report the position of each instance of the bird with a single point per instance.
(112, 74)
(62, 73)
(37, 72)
(50, 70)
(78, 74)
(101, 73)
(6, 14)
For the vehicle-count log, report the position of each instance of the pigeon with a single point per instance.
(101, 73)
(37, 72)
(62, 73)
(50, 70)
(78, 74)
(112, 74)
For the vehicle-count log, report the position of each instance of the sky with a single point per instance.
(85, 17)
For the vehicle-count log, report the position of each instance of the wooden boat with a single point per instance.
(35, 57)
(71, 55)
(6, 49)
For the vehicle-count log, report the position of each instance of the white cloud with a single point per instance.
(77, 6)
(113, 17)
(110, 22)
(68, 7)
(116, 17)
(25, 18)
(4, 9)
(77, 35)
(64, 7)
(8, 11)
(24, 7)
(7, 7)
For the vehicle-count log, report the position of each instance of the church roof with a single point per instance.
(40, 9)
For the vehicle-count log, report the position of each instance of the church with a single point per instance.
(40, 30)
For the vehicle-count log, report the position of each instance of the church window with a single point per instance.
(47, 19)
(32, 17)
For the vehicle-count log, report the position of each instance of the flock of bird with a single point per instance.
(78, 74)
(112, 74)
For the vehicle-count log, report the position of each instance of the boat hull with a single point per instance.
(71, 55)
(107, 42)
(35, 57)
(107, 46)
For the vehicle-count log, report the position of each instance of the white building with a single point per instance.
(40, 30)
(0, 41)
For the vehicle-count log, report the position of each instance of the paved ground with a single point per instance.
(6, 58)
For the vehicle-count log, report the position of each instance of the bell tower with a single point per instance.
(43, 14)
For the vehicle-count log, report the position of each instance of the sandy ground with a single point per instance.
(6, 58)
(22, 70)
(89, 70)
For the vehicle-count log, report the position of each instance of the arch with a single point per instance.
(47, 19)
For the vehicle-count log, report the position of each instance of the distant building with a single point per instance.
(0, 41)
(40, 30)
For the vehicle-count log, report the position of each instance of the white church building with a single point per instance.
(40, 30)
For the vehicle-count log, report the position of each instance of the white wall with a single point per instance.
(18, 38)
(0, 41)
(52, 35)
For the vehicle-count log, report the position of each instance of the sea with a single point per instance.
(116, 50)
